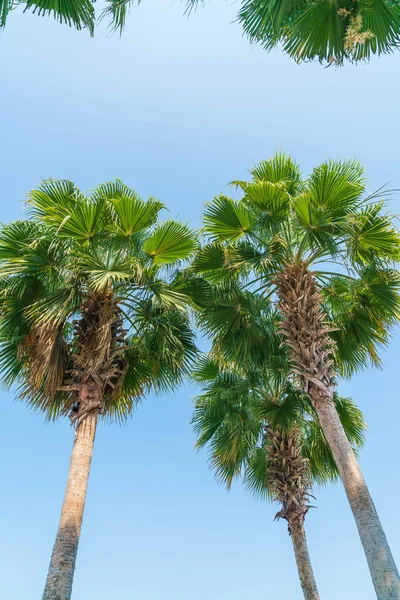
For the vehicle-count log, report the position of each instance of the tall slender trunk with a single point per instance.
(380, 560)
(311, 352)
(62, 564)
(304, 567)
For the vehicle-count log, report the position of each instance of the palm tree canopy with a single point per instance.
(237, 407)
(89, 284)
(75, 13)
(331, 32)
(323, 221)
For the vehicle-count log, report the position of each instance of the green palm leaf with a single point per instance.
(134, 215)
(116, 12)
(169, 243)
(77, 13)
(225, 219)
(236, 408)
(5, 7)
(281, 168)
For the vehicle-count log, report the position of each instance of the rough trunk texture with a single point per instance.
(62, 563)
(383, 569)
(303, 561)
(289, 482)
(95, 379)
(311, 351)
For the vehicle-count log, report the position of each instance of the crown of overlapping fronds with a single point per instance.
(89, 285)
(322, 30)
(244, 411)
(330, 32)
(325, 222)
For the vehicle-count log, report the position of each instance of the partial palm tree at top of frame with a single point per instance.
(324, 30)
(284, 237)
(262, 430)
(93, 316)
(329, 31)
(79, 14)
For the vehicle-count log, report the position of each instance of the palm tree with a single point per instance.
(331, 32)
(274, 237)
(75, 13)
(92, 317)
(263, 430)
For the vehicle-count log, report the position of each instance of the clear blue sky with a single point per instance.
(177, 108)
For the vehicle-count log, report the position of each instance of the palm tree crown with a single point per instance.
(89, 292)
(238, 409)
(331, 32)
(327, 219)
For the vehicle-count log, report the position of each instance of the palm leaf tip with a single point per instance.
(77, 13)
(170, 243)
(116, 12)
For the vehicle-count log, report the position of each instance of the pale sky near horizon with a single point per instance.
(177, 108)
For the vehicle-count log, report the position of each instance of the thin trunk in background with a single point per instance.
(289, 482)
(303, 560)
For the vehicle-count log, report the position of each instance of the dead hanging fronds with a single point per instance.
(98, 357)
(84, 375)
(93, 336)
(46, 353)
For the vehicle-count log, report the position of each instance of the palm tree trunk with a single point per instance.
(304, 567)
(63, 559)
(379, 557)
(289, 483)
(311, 353)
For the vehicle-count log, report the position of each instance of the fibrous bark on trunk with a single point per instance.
(289, 482)
(311, 351)
(97, 373)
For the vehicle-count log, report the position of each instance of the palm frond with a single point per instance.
(77, 13)
(226, 219)
(116, 12)
(170, 243)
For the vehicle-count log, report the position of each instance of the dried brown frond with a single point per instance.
(46, 351)
(99, 365)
